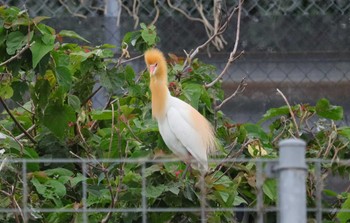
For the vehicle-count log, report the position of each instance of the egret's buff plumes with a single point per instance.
(184, 130)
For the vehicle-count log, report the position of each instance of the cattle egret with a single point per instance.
(184, 130)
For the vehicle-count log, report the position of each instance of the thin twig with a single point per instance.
(131, 59)
(112, 131)
(241, 87)
(28, 130)
(70, 11)
(217, 32)
(135, 11)
(184, 13)
(16, 122)
(157, 12)
(233, 56)
(14, 138)
(91, 96)
(290, 111)
(17, 55)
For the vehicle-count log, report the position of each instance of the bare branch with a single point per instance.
(16, 122)
(17, 55)
(218, 32)
(131, 59)
(223, 72)
(241, 87)
(157, 12)
(28, 130)
(290, 111)
(70, 11)
(184, 13)
(233, 56)
(135, 11)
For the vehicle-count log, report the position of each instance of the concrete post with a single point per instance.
(292, 171)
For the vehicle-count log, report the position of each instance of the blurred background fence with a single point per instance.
(301, 47)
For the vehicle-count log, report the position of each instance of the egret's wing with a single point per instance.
(179, 120)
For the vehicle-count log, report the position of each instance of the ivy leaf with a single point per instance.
(57, 117)
(72, 34)
(326, 110)
(39, 50)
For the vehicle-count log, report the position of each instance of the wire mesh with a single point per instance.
(261, 210)
(299, 46)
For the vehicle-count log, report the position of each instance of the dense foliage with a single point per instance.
(50, 84)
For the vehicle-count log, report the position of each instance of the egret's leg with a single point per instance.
(188, 168)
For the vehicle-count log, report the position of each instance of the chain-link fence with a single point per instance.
(301, 47)
(291, 170)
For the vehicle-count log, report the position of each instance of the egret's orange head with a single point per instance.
(156, 63)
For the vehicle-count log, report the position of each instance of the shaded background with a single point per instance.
(301, 47)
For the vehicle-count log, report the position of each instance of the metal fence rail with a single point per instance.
(290, 170)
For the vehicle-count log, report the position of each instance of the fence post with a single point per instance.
(291, 172)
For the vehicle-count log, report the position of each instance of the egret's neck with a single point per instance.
(160, 95)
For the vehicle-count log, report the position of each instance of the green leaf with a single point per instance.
(38, 186)
(111, 80)
(30, 153)
(274, 112)
(39, 50)
(239, 200)
(75, 180)
(72, 34)
(344, 131)
(149, 36)
(102, 115)
(20, 88)
(150, 170)
(174, 188)
(330, 193)
(57, 117)
(40, 93)
(326, 110)
(270, 189)
(193, 93)
(59, 171)
(344, 217)
(15, 41)
(48, 39)
(74, 102)
(6, 91)
(155, 191)
(64, 77)
(256, 131)
(57, 187)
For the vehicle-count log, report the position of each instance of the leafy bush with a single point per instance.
(51, 82)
